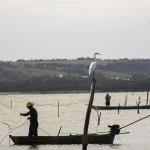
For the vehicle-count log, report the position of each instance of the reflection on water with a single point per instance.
(34, 147)
(115, 146)
(72, 112)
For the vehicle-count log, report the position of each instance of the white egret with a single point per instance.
(93, 66)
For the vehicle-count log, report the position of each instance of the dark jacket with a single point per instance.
(33, 115)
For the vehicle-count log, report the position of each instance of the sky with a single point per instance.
(47, 29)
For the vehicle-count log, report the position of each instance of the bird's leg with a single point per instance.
(93, 77)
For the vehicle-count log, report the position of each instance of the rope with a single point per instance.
(15, 97)
(10, 108)
(13, 129)
(61, 104)
(44, 131)
(9, 117)
(7, 124)
(119, 139)
(55, 105)
(43, 104)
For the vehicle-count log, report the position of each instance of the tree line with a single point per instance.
(35, 75)
(44, 85)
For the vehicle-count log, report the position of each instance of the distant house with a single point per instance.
(126, 79)
(114, 78)
(60, 76)
(84, 77)
(118, 78)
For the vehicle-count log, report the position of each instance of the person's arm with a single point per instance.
(25, 114)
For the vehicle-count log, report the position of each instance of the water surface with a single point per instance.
(72, 112)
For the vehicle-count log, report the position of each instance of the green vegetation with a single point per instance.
(72, 75)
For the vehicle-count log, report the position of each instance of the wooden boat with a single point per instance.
(68, 140)
(121, 107)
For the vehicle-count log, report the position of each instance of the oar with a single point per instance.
(134, 122)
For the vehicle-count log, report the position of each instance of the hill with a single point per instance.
(23, 71)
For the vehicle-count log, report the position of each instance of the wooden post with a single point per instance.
(58, 108)
(139, 98)
(138, 103)
(138, 111)
(99, 118)
(147, 97)
(87, 118)
(118, 107)
(11, 103)
(126, 98)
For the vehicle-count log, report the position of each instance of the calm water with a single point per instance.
(71, 118)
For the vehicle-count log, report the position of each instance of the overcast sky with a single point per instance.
(70, 29)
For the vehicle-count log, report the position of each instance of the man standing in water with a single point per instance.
(33, 119)
(107, 98)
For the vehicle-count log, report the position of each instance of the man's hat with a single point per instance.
(30, 104)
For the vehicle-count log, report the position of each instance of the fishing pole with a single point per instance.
(134, 122)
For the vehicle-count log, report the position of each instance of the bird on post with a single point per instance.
(93, 66)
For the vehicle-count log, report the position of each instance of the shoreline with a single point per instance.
(66, 92)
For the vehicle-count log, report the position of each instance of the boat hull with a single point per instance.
(120, 107)
(67, 140)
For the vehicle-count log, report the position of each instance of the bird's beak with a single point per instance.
(97, 53)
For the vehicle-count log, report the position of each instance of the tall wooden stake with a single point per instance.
(11, 103)
(58, 108)
(99, 118)
(87, 118)
(138, 111)
(138, 103)
(126, 98)
(118, 107)
(147, 97)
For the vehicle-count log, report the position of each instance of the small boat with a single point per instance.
(93, 138)
(121, 107)
(59, 140)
